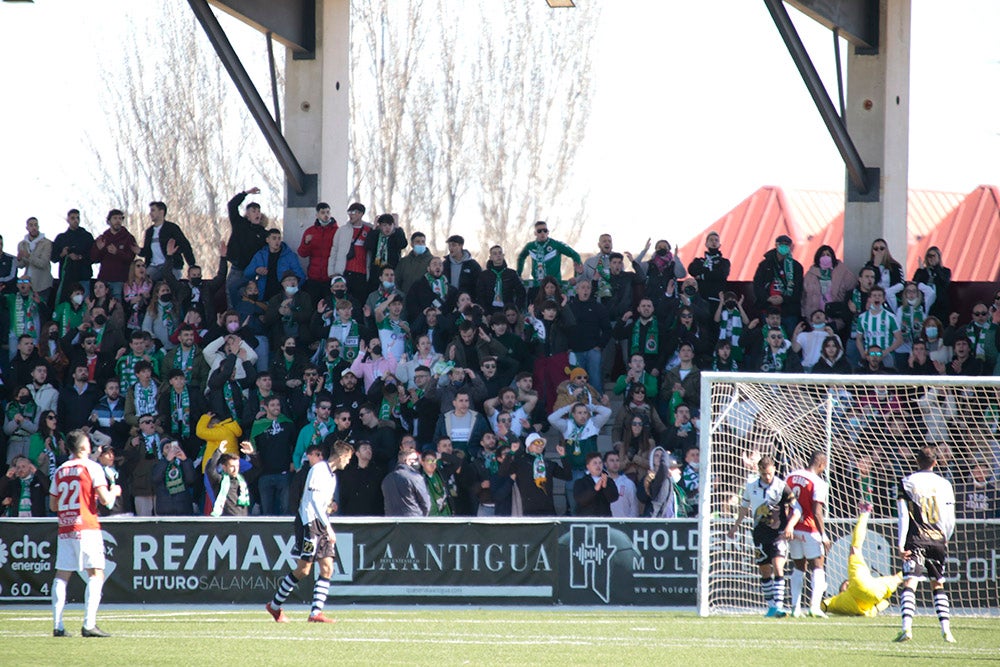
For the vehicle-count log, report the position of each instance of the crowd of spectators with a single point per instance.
(450, 378)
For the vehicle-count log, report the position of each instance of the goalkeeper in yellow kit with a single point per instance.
(862, 594)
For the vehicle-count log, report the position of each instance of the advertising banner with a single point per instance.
(590, 562)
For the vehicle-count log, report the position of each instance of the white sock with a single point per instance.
(798, 583)
(818, 588)
(91, 600)
(58, 602)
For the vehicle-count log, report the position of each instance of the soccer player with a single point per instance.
(810, 540)
(862, 594)
(78, 485)
(926, 523)
(314, 538)
(775, 513)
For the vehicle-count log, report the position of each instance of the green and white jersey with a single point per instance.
(877, 329)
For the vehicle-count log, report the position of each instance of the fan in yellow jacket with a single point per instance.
(214, 433)
(862, 594)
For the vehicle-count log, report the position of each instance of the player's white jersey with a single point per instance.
(321, 484)
(768, 503)
(926, 509)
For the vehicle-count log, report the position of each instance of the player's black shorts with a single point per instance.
(768, 544)
(311, 542)
(926, 561)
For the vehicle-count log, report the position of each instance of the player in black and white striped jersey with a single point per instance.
(926, 523)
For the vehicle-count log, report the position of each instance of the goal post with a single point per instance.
(870, 427)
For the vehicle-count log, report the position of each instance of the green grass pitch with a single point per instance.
(483, 636)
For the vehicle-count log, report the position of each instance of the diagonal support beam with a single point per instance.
(861, 177)
(300, 182)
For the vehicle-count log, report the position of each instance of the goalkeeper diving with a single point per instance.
(862, 594)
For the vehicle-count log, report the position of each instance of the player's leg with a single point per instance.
(91, 601)
(324, 557)
(795, 553)
(59, 602)
(860, 532)
(320, 591)
(778, 562)
(936, 557)
(304, 549)
(767, 585)
(818, 582)
(913, 570)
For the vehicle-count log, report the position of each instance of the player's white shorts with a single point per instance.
(76, 555)
(805, 545)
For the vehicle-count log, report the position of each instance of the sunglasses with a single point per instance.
(980, 313)
(145, 421)
(541, 231)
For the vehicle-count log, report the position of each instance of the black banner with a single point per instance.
(579, 562)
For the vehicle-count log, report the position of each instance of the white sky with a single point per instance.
(697, 105)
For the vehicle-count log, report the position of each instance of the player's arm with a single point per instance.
(313, 499)
(819, 510)
(793, 503)
(54, 502)
(903, 526)
(742, 514)
(946, 511)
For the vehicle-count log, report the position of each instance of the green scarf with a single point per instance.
(227, 394)
(497, 286)
(856, 300)
(538, 471)
(242, 498)
(167, 317)
(350, 341)
(186, 366)
(912, 321)
(145, 399)
(174, 478)
(774, 362)
(125, 370)
(651, 344)
(438, 285)
(28, 411)
(24, 316)
(603, 278)
(731, 327)
(491, 463)
(382, 251)
(541, 253)
(24, 502)
(575, 438)
(978, 335)
(439, 499)
(784, 276)
(180, 413)
(825, 281)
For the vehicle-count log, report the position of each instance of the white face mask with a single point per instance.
(913, 302)
(77, 299)
(291, 290)
(675, 474)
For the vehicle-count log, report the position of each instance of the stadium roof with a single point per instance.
(965, 227)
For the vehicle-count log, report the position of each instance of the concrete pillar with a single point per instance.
(317, 115)
(878, 119)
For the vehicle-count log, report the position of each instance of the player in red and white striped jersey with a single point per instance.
(78, 485)
(810, 539)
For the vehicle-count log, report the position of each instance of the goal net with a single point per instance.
(870, 426)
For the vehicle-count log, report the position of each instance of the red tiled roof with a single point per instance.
(814, 218)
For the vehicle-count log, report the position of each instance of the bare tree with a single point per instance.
(482, 109)
(179, 133)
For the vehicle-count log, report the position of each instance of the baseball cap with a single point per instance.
(532, 439)
(784, 238)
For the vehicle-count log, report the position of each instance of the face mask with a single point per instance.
(388, 284)
(661, 252)
(376, 350)
(164, 298)
(693, 466)
(819, 326)
(77, 299)
(233, 327)
(913, 302)
(420, 249)
(729, 305)
(101, 320)
(24, 400)
(339, 293)
(675, 475)
(335, 354)
(931, 332)
(690, 290)
(290, 350)
(196, 282)
(415, 465)
(291, 290)
(825, 262)
(783, 250)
